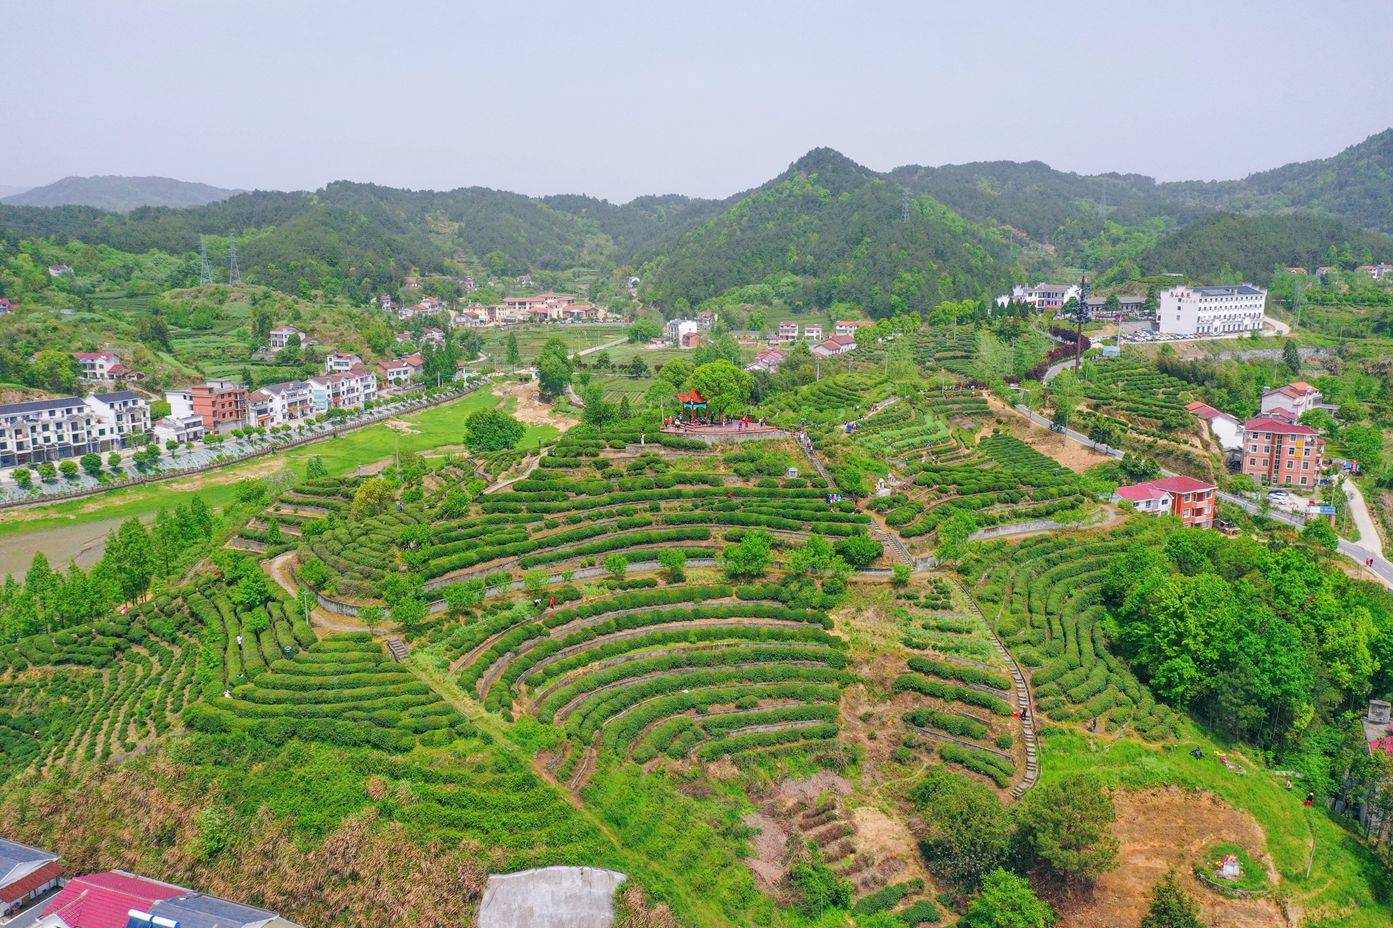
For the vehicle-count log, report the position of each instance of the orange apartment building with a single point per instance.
(1281, 453)
(221, 404)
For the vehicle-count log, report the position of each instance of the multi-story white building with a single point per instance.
(123, 412)
(280, 337)
(1291, 401)
(48, 430)
(788, 333)
(813, 331)
(1041, 296)
(678, 330)
(345, 390)
(402, 370)
(1211, 310)
(291, 400)
(850, 326)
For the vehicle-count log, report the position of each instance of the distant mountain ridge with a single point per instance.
(120, 194)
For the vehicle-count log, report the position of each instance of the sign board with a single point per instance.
(1325, 510)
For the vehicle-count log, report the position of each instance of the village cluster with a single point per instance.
(36, 892)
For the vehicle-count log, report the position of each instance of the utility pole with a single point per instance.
(1078, 327)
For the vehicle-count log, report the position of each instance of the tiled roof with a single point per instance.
(22, 887)
(1270, 424)
(118, 396)
(64, 402)
(1182, 485)
(1205, 411)
(102, 900)
(1138, 492)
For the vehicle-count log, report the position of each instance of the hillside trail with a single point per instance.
(1359, 510)
(280, 570)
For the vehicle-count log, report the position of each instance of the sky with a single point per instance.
(706, 97)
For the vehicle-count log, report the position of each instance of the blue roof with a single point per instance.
(13, 854)
(199, 911)
(65, 402)
(1240, 290)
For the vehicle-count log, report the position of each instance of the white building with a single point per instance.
(345, 390)
(850, 326)
(123, 414)
(50, 429)
(1226, 429)
(338, 362)
(280, 337)
(182, 429)
(1041, 296)
(813, 331)
(1291, 401)
(1211, 310)
(290, 400)
(836, 345)
(788, 333)
(678, 329)
(99, 366)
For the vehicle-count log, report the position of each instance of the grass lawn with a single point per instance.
(1343, 873)
(429, 428)
(532, 338)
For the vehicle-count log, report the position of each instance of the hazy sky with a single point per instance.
(702, 97)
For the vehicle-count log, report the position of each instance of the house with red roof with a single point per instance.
(1293, 400)
(834, 346)
(1281, 453)
(1226, 429)
(102, 367)
(1188, 499)
(26, 873)
(117, 899)
(6, 305)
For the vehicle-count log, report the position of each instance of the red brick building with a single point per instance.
(221, 404)
(1281, 453)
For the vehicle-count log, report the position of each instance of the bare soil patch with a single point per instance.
(402, 426)
(1161, 829)
(528, 406)
(1071, 454)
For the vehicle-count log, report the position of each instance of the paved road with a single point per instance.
(1370, 560)
(1368, 532)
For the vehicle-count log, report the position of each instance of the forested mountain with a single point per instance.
(850, 234)
(825, 230)
(1229, 244)
(1355, 185)
(120, 194)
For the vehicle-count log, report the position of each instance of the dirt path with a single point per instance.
(528, 407)
(279, 568)
(1072, 455)
(1161, 829)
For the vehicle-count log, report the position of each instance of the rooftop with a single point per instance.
(1240, 290)
(1271, 424)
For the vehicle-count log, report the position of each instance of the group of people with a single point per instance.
(725, 422)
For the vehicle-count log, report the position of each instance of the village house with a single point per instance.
(402, 370)
(767, 360)
(26, 873)
(1282, 453)
(1190, 500)
(836, 345)
(850, 326)
(122, 414)
(1042, 296)
(433, 336)
(290, 400)
(1226, 429)
(183, 429)
(118, 899)
(349, 389)
(1377, 271)
(1291, 401)
(338, 362)
(788, 333)
(280, 337)
(706, 320)
(679, 332)
(7, 306)
(102, 367)
(35, 431)
(812, 331)
(221, 404)
(58, 270)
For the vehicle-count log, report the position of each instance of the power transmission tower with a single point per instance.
(234, 273)
(904, 205)
(205, 273)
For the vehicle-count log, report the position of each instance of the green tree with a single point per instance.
(749, 557)
(674, 563)
(967, 832)
(55, 370)
(1172, 906)
(373, 496)
(1291, 357)
(637, 367)
(23, 477)
(617, 564)
(315, 469)
(726, 387)
(113, 461)
(514, 353)
(91, 463)
(818, 887)
(1320, 535)
(1007, 901)
(645, 330)
(131, 555)
(68, 468)
(676, 372)
(1067, 825)
(488, 430)
(860, 550)
(554, 367)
